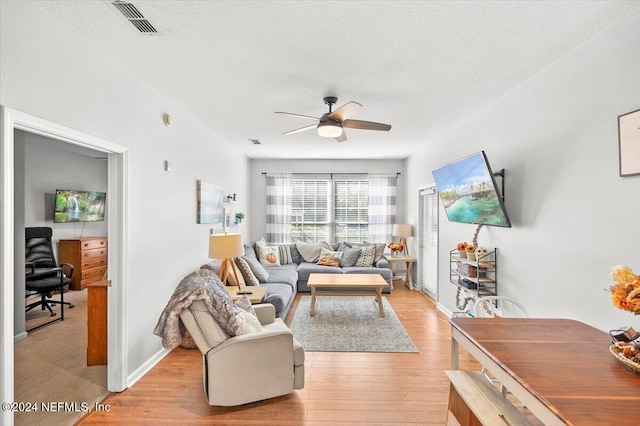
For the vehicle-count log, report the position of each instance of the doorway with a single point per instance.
(117, 157)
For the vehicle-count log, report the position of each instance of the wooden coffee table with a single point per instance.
(340, 284)
(257, 293)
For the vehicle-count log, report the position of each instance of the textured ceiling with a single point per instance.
(420, 66)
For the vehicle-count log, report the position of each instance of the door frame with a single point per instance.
(117, 187)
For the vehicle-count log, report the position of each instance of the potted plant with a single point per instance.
(239, 217)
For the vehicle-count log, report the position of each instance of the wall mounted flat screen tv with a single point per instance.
(79, 206)
(469, 192)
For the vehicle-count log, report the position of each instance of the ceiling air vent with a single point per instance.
(134, 16)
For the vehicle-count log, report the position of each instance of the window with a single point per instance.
(330, 209)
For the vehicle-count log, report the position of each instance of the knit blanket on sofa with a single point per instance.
(204, 285)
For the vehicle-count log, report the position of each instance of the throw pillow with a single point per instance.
(310, 252)
(244, 304)
(367, 255)
(258, 270)
(329, 258)
(379, 249)
(248, 324)
(284, 253)
(349, 255)
(245, 271)
(268, 255)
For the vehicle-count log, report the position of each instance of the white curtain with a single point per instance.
(278, 205)
(382, 206)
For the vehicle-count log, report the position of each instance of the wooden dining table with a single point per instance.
(560, 369)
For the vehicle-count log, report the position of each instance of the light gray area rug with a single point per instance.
(349, 324)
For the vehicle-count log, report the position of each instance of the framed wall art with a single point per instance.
(629, 141)
(210, 203)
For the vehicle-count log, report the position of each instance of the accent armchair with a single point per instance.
(249, 367)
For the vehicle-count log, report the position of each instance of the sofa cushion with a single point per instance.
(295, 254)
(350, 255)
(279, 295)
(384, 272)
(329, 258)
(246, 272)
(286, 274)
(367, 256)
(382, 263)
(310, 252)
(258, 270)
(249, 251)
(306, 268)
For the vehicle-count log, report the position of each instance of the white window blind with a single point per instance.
(329, 209)
(429, 241)
(351, 209)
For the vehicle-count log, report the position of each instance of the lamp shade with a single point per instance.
(225, 246)
(402, 230)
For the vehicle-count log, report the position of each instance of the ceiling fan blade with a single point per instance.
(298, 115)
(365, 125)
(301, 129)
(345, 111)
(342, 137)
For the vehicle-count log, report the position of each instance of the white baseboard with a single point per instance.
(444, 310)
(20, 336)
(146, 367)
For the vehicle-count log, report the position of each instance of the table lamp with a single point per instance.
(226, 247)
(403, 231)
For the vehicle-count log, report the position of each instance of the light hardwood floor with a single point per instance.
(341, 388)
(51, 365)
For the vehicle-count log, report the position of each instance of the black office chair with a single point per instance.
(43, 274)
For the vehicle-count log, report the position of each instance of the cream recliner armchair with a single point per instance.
(246, 368)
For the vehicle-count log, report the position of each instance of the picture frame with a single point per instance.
(629, 143)
(210, 203)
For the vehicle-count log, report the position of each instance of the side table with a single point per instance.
(257, 293)
(408, 261)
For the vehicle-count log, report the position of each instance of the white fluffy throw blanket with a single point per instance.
(202, 285)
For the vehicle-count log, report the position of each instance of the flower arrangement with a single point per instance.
(470, 248)
(462, 250)
(394, 247)
(625, 294)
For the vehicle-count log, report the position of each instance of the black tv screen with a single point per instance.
(79, 206)
(469, 193)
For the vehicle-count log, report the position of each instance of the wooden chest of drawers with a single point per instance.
(88, 255)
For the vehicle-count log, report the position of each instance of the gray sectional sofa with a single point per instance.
(285, 281)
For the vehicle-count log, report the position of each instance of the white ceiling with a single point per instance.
(422, 67)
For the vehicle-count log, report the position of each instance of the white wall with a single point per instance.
(573, 216)
(257, 182)
(46, 71)
(45, 166)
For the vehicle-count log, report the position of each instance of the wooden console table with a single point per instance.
(560, 369)
(97, 322)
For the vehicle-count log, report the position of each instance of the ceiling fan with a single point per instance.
(332, 123)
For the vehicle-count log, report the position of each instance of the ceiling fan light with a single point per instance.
(327, 129)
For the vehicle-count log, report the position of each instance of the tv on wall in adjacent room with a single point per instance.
(469, 192)
(79, 206)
